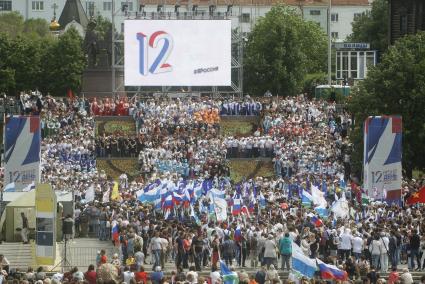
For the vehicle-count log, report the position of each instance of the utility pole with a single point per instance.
(329, 44)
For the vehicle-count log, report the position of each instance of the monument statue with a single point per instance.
(91, 44)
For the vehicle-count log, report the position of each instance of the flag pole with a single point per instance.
(4, 151)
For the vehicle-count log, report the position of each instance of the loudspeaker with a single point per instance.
(67, 227)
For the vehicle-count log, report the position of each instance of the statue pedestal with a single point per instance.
(98, 82)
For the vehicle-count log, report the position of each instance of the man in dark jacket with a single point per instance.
(260, 276)
(415, 242)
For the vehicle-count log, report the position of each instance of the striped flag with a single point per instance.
(229, 277)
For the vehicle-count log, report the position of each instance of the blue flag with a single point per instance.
(229, 277)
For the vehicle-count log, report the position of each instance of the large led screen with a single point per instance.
(177, 52)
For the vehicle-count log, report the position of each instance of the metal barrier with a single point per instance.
(82, 257)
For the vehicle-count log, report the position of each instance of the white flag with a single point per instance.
(105, 197)
(318, 198)
(220, 206)
(90, 194)
(340, 208)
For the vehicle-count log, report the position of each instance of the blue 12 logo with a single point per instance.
(159, 64)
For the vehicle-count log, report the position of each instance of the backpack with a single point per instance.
(253, 243)
(392, 246)
(83, 217)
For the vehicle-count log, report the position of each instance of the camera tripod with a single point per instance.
(64, 261)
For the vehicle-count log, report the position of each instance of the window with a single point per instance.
(122, 27)
(334, 35)
(334, 17)
(107, 6)
(357, 16)
(127, 6)
(5, 5)
(245, 18)
(90, 8)
(37, 5)
(315, 12)
(403, 24)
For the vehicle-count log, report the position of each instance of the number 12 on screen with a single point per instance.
(159, 63)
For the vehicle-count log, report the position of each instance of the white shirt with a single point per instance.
(346, 241)
(357, 244)
(385, 242)
(156, 243)
(214, 277)
(128, 275)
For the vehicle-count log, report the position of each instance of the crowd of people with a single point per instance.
(171, 214)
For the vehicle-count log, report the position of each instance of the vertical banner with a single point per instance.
(45, 208)
(382, 157)
(22, 151)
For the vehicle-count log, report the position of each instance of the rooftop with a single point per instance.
(263, 2)
(73, 10)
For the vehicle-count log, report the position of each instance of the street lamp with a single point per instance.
(329, 44)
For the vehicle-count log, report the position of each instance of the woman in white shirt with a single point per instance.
(357, 246)
(375, 250)
(305, 245)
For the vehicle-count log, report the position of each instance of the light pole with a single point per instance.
(329, 44)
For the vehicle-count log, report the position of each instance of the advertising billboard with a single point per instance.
(45, 206)
(22, 151)
(177, 52)
(382, 157)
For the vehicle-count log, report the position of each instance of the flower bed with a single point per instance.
(116, 167)
(250, 169)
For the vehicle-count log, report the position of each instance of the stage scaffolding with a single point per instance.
(173, 11)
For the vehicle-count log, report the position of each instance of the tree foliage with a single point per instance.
(64, 62)
(36, 27)
(31, 58)
(103, 26)
(11, 23)
(282, 48)
(396, 86)
(372, 26)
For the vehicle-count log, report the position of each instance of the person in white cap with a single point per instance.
(406, 277)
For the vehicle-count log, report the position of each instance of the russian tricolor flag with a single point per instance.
(238, 234)
(245, 211)
(168, 203)
(328, 271)
(316, 221)
(236, 208)
(115, 233)
(177, 198)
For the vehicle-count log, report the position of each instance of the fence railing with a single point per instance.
(81, 257)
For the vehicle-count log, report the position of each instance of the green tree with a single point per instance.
(396, 86)
(11, 24)
(7, 74)
(38, 27)
(103, 26)
(372, 26)
(26, 62)
(63, 64)
(281, 49)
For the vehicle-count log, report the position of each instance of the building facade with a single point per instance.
(406, 17)
(244, 13)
